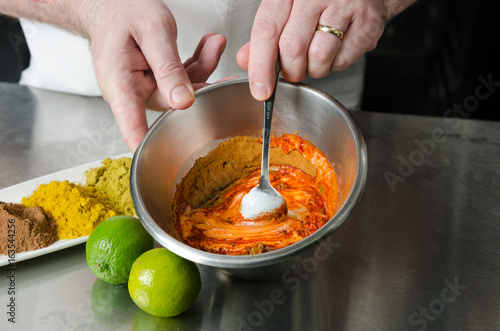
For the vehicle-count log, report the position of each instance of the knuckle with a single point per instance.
(169, 69)
(319, 54)
(150, 30)
(291, 47)
(371, 46)
(160, 24)
(341, 63)
(373, 24)
(266, 29)
(373, 16)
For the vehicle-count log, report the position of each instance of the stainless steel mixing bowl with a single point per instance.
(225, 110)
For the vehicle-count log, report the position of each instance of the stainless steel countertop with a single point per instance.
(420, 252)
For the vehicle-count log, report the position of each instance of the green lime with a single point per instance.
(164, 284)
(113, 247)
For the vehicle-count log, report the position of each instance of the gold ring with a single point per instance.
(329, 29)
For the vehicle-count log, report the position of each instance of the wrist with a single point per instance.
(82, 15)
(394, 7)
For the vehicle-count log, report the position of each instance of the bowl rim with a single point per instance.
(267, 258)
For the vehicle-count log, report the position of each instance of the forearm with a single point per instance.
(62, 13)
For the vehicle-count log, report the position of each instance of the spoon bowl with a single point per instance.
(263, 201)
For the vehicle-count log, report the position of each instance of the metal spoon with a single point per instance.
(264, 200)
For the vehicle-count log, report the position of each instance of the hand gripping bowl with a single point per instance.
(225, 110)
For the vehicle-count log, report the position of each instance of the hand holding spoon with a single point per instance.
(264, 200)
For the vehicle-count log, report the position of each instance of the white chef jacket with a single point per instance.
(62, 61)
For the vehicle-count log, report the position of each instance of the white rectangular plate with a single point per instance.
(16, 192)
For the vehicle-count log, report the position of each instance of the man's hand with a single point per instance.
(288, 28)
(137, 63)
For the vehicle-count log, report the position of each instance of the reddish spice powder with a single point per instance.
(25, 229)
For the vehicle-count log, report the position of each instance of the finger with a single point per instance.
(361, 36)
(198, 49)
(124, 84)
(199, 67)
(269, 21)
(127, 105)
(133, 125)
(296, 38)
(205, 60)
(324, 45)
(243, 55)
(156, 102)
(160, 50)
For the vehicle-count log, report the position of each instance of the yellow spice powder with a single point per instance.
(113, 179)
(77, 209)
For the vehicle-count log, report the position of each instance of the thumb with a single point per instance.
(173, 81)
(163, 58)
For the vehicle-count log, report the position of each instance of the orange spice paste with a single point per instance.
(207, 203)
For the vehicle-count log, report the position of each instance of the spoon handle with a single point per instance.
(268, 116)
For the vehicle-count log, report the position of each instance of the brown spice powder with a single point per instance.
(33, 228)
